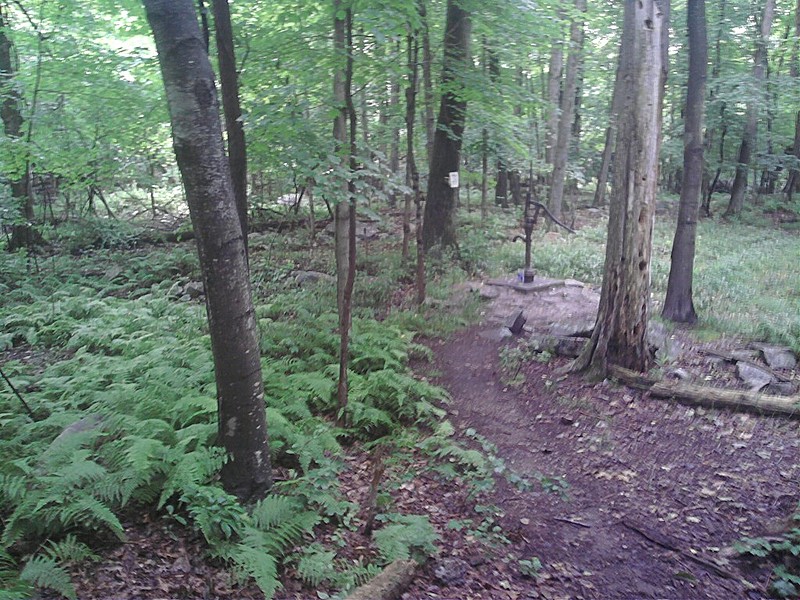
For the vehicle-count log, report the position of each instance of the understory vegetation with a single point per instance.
(116, 413)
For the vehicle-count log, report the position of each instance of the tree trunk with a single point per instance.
(554, 71)
(484, 174)
(22, 234)
(440, 208)
(747, 146)
(412, 174)
(229, 81)
(427, 80)
(619, 333)
(345, 215)
(608, 148)
(199, 150)
(561, 151)
(794, 71)
(501, 187)
(678, 305)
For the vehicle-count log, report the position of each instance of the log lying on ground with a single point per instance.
(741, 400)
(389, 584)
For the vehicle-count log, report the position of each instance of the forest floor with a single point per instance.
(654, 493)
(601, 491)
(604, 493)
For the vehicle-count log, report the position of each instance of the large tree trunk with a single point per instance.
(747, 146)
(561, 151)
(229, 80)
(678, 305)
(440, 208)
(619, 333)
(199, 150)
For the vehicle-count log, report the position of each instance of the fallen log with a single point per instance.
(389, 584)
(740, 400)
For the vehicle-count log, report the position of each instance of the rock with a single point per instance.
(194, 289)
(495, 335)
(752, 376)
(570, 347)
(661, 341)
(450, 571)
(780, 388)
(366, 231)
(743, 355)
(516, 322)
(576, 328)
(487, 293)
(573, 283)
(777, 357)
(302, 278)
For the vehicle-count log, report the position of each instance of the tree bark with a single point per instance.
(440, 227)
(794, 72)
(199, 150)
(561, 151)
(427, 81)
(23, 235)
(747, 146)
(554, 72)
(345, 214)
(678, 305)
(619, 335)
(229, 81)
(608, 148)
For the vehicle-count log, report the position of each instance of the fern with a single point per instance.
(261, 567)
(316, 566)
(45, 572)
(407, 536)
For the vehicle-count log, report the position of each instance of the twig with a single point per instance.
(18, 395)
(571, 522)
(661, 540)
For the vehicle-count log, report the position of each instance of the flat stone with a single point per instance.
(679, 373)
(777, 357)
(752, 376)
(577, 328)
(487, 293)
(495, 335)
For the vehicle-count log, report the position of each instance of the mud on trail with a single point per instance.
(654, 492)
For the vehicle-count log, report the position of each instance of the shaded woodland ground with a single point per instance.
(585, 490)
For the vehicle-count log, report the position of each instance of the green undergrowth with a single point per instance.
(118, 374)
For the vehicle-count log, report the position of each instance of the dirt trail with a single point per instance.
(655, 491)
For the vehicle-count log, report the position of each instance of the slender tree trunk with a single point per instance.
(794, 71)
(427, 80)
(484, 174)
(440, 208)
(554, 72)
(345, 211)
(561, 151)
(608, 147)
(678, 305)
(412, 174)
(747, 146)
(619, 335)
(23, 235)
(229, 81)
(200, 153)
